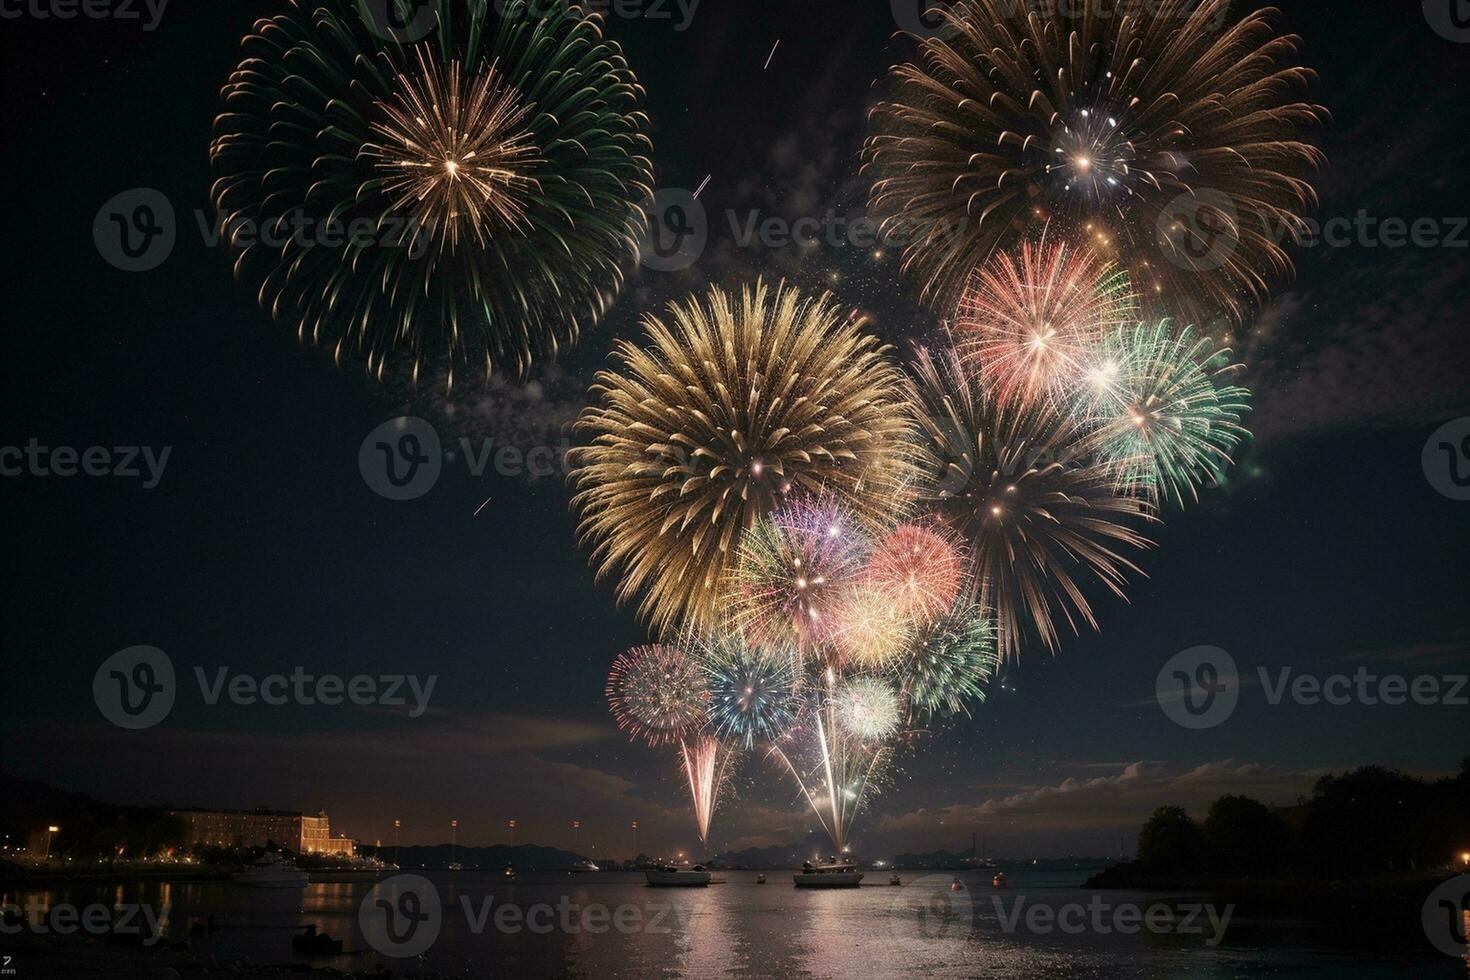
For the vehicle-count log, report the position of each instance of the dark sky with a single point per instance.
(262, 548)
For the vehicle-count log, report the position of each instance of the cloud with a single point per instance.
(1121, 800)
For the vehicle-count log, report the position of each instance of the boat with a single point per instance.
(583, 867)
(760, 879)
(455, 866)
(669, 876)
(895, 880)
(999, 881)
(509, 873)
(834, 874)
(312, 943)
(269, 871)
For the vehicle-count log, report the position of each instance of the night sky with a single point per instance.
(262, 547)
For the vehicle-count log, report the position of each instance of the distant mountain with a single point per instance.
(523, 857)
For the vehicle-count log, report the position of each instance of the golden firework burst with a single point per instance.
(454, 155)
(737, 402)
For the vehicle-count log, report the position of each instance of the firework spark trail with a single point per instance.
(836, 784)
(771, 55)
(706, 763)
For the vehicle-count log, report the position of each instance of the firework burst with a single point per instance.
(1167, 420)
(754, 691)
(796, 570)
(738, 402)
(485, 183)
(657, 694)
(867, 708)
(949, 661)
(1112, 124)
(916, 570)
(1039, 517)
(454, 153)
(1028, 323)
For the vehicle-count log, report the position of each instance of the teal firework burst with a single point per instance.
(469, 199)
(1167, 419)
(754, 691)
(949, 661)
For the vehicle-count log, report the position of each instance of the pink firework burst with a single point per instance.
(657, 693)
(1027, 324)
(918, 570)
(795, 570)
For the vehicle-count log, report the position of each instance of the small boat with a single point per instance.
(313, 943)
(668, 876)
(834, 874)
(583, 867)
(999, 881)
(760, 879)
(509, 874)
(894, 880)
(271, 872)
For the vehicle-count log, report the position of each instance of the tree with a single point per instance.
(1170, 842)
(1242, 837)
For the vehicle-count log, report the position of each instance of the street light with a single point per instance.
(50, 829)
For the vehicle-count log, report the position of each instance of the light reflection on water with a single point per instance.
(739, 929)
